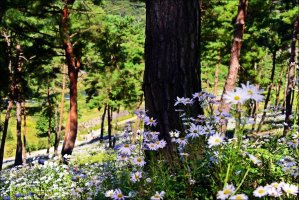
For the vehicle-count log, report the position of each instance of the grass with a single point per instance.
(95, 158)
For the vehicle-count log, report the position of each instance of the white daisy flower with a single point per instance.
(226, 192)
(194, 131)
(138, 161)
(152, 146)
(118, 195)
(253, 92)
(109, 193)
(126, 149)
(239, 197)
(136, 176)
(158, 196)
(215, 140)
(174, 134)
(150, 121)
(290, 189)
(181, 141)
(260, 191)
(235, 97)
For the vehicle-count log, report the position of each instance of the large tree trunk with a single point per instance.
(4, 134)
(103, 122)
(73, 69)
(24, 133)
(234, 63)
(291, 79)
(172, 67)
(18, 158)
(270, 87)
(58, 133)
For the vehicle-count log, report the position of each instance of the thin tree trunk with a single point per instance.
(217, 76)
(103, 122)
(291, 79)
(285, 92)
(279, 87)
(49, 119)
(172, 65)
(24, 133)
(18, 158)
(268, 93)
(109, 113)
(234, 63)
(4, 134)
(73, 69)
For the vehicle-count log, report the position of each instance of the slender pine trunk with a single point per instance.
(279, 84)
(18, 158)
(4, 134)
(103, 122)
(268, 93)
(49, 119)
(24, 133)
(291, 79)
(73, 69)
(234, 63)
(109, 113)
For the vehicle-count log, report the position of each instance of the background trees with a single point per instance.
(106, 38)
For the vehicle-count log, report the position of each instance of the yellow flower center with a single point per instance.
(126, 145)
(217, 140)
(139, 159)
(250, 92)
(237, 98)
(120, 195)
(157, 196)
(261, 191)
(239, 197)
(226, 191)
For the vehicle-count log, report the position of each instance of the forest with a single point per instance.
(149, 99)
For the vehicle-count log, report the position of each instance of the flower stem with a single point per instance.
(243, 179)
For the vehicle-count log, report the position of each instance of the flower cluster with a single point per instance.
(275, 190)
(244, 93)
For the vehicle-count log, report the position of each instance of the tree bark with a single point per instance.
(18, 158)
(24, 133)
(58, 134)
(291, 79)
(4, 134)
(172, 67)
(268, 93)
(73, 69)
(234, 63)
(103, 122)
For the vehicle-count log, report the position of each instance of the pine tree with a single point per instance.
(171, 60)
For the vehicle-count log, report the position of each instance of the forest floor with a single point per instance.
(80, 146)
(93, 139)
